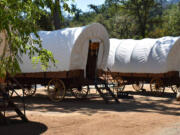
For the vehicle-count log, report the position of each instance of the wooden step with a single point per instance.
(11, 105)
(109, 95)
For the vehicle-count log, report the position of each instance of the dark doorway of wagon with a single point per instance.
(91, 67)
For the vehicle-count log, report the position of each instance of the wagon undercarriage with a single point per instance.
(157, 82)
(57, 86)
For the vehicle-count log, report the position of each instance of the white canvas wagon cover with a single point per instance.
(144, 56)
(70, 47)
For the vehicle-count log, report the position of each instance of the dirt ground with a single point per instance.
(143, 115)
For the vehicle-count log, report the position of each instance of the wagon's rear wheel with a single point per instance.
(157, 86)
(56, 90)
(138, 85)
(11, 88)
(175, 88)
(118, 84)
(30, 91)
(80, 92)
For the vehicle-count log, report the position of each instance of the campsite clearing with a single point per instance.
(143, 115)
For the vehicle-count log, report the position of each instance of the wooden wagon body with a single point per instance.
(169, 78)
(70, 78)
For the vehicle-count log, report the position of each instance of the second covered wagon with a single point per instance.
(154, 61)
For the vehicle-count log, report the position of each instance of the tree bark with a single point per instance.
(57, 15)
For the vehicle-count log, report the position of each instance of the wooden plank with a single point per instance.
(62, 74)
(76, 73)
(147, 75)
(30, 75)
(42, 75)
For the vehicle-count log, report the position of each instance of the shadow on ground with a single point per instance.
(150, 94)
(18, 127)
(145, 102)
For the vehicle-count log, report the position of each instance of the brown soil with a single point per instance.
(143, 115)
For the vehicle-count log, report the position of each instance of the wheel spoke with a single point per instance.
(138, 85)
(157, 86)
(56, 90)
(80, 93)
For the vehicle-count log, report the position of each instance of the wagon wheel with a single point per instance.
(81, 92)
(118, 84)
(175, 88)
(30, 91)
(56, 90)
(157, 86)
(138, 85)
(111, 82)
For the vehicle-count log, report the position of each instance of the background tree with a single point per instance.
(56, 8)
(133, 18)
(95, 8)
(172, 20)
(18, 20)
(76, 12)
(45, 22)
(140, 9)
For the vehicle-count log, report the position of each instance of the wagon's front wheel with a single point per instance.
(118, 84)
(56, 90)
(157, 86)
(80, 93)
(138, 86)
(30, 91)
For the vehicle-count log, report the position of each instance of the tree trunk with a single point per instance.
(143, 33)
(57, 15)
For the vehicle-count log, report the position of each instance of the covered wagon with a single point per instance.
(79, 52)
(154, 61)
